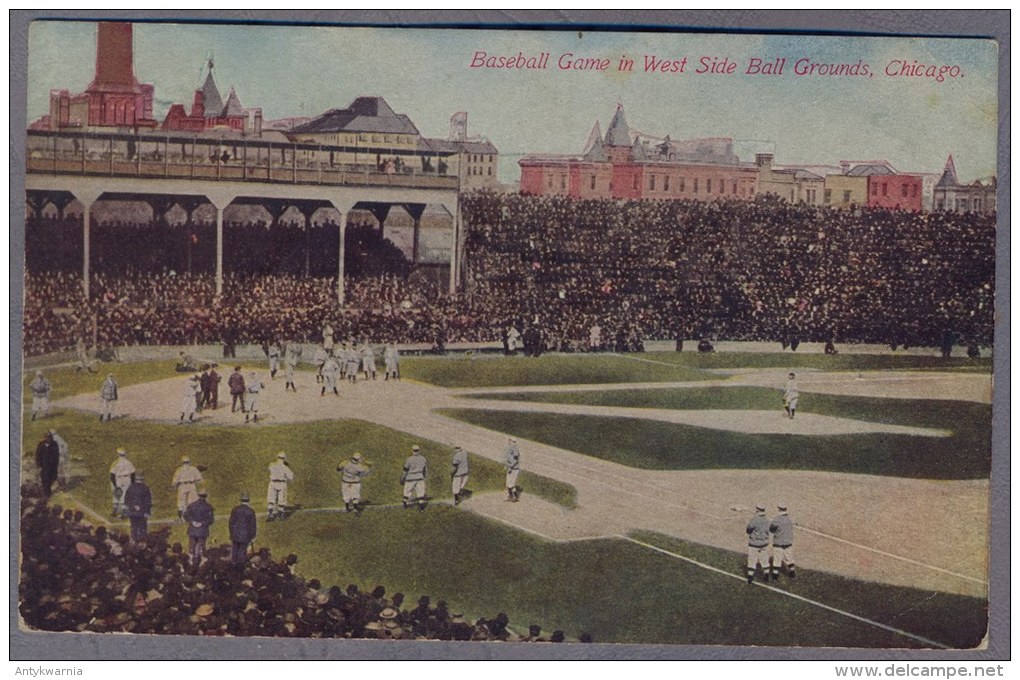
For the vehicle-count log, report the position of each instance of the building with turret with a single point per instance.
(114, 99)
(950, 195)
(209, 111)
(624, 164)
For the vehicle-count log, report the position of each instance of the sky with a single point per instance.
(913, 122)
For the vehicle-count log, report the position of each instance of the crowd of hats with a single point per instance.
(77, 576)
(652, 270)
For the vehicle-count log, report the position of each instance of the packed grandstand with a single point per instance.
(643, 270)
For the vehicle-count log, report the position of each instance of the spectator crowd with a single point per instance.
(76, 576)
(635, 270)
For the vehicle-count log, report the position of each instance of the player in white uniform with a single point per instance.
(790, 396)
(392, 358)
(353, 359)
(274, 360)
(41, 389)
(254, 387)
(192, 387)
(107, 396)
(512, 458)
(459, 473)
(368, 360)
(186, 479)
(416, 470)
(320, 359)
(352, 472)
(122, 474)
(280, 475)
(329, 374)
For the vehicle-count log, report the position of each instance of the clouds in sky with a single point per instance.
(302, 71)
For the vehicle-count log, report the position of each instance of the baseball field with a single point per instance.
(640, 473)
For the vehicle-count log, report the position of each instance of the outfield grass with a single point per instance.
(656, 445)
(612, 588)
(839, 362)
(238, 460)
(470, 371)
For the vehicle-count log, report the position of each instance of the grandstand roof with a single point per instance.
(364, 114)
(457, 146)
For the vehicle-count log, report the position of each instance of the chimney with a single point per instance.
(114, 55)
(844, 167)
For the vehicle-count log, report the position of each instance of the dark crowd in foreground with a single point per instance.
(80, 577)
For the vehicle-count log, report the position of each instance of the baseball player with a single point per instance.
(108, 395)
(351, 473)
(368, 360)
(790, 396)
(320, 359)
(392, 358)
(353, 359)
(280, 475)
(416, 469)
(236, 384)
(293, 358)
(781, 529)
(254, 387)
(329, 374)
(758, 544)
(327, 337)
(41, 389)
(186, 480)
(64, 465)
(274, 359)
(122, 474)
(192, 388)
(459, 474)
(512, 457)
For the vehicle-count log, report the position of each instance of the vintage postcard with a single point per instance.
(547, 337)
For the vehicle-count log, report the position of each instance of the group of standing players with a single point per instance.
(346, 362)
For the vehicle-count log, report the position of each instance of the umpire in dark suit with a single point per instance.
(47, 458)
(242, 530)
(199, 516)
(138, 501)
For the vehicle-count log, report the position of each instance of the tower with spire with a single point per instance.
(209, 111)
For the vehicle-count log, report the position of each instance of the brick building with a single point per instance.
(209, 111)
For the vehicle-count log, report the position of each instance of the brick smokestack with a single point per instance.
(114, 56)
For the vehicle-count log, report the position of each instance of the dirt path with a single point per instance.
(881, 529)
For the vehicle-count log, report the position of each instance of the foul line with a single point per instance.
(647, 361)
(787, 593)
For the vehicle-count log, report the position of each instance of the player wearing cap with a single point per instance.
(392, 359)
(416, 469)
(790, 396)
(107, 395)
(459, 474)
(351, 473)
(138, 499)
(189, 397)
(122, 474)
(186, 480)
(512, 461)
(242, 530)
(280, 475)
(781, 529)
(254, 387)
(758, 544)
(41, 389)
(199, 516)
(330, 371)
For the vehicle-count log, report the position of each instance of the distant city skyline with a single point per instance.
(913, 122)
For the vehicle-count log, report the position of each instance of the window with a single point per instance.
(722, 186)
(563, 181)
(695, 185)
(874, 189)
(665, 183)
(593, 182)
(708, 186)
(846, 196)
(734, 187)
(682, 183)
(550, 181)
(885, 189)
(651, 182)
(914, 191)
(635, 182)
(490, 171)
(904, 190)
(490, 157)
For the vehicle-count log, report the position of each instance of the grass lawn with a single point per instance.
(655, 445)
(238, 460)
(549, 369)
(840, 362)
(614, 589)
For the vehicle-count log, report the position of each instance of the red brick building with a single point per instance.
(209, 111)
(114, 98)
(623, 165)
